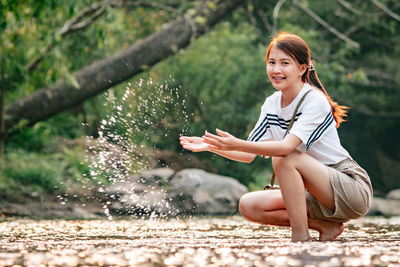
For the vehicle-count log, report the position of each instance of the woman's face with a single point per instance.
(283, 71)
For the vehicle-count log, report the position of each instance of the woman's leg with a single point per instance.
(295, 172)
(288, 207)
(264, 207)
(267, 207)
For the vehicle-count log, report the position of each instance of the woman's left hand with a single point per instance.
(222, 141)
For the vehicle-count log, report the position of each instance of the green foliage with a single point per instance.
(24, 172)
(27, 169)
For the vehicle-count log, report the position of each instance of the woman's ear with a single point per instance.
(302, 68)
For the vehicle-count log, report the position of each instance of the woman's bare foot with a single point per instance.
(330, 231)
(305, 239)
(301, 236)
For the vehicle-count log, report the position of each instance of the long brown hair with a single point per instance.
(298, 49)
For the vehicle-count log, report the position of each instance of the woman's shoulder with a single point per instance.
(317, 98)
(275, 96)
(272, 99)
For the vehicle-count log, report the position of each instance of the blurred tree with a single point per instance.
(106, 73)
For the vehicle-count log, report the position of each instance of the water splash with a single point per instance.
(137, 123)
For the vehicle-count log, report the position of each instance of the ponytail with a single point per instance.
(339, 112)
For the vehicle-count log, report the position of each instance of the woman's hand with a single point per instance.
(194, 143)
(222, 141)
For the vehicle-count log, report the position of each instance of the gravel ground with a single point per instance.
(371, 241)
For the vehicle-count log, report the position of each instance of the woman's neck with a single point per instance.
(290, 94)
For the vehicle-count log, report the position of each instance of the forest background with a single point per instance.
(216, 80)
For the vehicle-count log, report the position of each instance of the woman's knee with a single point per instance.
(247, 205)
(244, 204)
(287, 161)
(252, 204)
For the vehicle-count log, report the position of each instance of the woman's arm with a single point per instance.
(227, 142)
(196, 144)
(236, 155)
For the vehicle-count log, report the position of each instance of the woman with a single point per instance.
(321, 186)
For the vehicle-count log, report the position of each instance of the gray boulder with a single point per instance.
(140, 194)
(165, 193)
(388, 206)
(394, 194)
(207, 193)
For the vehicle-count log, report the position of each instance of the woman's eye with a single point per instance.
(271, 63)
(285, 63)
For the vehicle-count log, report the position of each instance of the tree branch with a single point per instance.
(275, 16)
(327, 26)
(86, 17)
(94, 11)
(363, 109)
(264, 20)
(349, 7)
(386, 10)
(381, 114)
(124, 3)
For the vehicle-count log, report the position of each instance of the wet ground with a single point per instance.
(372, 241)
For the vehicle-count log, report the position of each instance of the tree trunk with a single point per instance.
(104, 74)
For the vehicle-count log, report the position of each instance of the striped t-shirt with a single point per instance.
(314, 124)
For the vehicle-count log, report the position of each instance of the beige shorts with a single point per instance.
(352, 192)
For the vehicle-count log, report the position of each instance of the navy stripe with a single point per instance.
(262, 134)
(275, 117)
(318, 129)
(283, 124)
(259, 128)
(321, 131)
(270, 119)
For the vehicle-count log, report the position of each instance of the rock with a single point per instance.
(209, 193)
(386, 207)
(145, 203)
(142, 193)
(142, 182)
(394, 194)
(159, 175)
(190, 191)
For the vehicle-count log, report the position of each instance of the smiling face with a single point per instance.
(284, 72)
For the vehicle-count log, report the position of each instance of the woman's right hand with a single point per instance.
(194, 143)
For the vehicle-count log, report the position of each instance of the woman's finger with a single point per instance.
(213, 143)
(210, 140)
(222, 133)
(211, 135)
(214, 137)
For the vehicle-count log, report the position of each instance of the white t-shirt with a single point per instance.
(314, 124)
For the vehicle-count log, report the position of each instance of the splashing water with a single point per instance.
(137, 124)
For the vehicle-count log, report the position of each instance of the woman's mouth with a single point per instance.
(278, 79)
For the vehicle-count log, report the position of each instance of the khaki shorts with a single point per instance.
(352, 192)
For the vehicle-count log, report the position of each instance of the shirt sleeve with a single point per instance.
(261, 130)
(316, 117)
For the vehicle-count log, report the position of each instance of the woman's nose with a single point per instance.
(276, 68)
